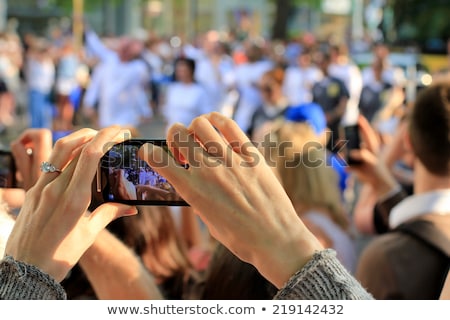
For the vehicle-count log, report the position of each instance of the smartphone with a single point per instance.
(353, 141)
(125, 178)
(8, 172)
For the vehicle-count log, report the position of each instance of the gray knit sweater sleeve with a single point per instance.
(21, 281)
(323, 278)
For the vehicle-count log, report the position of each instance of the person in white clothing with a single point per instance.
(185, 99)
(343, 68)
(40, 79)
(415, 225)
(390, 74)
(299, 79)
(246, 77)
(213, 67)
(119, 84)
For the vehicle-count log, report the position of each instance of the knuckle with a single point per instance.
(91, 152)
(88, 131)
(50, 193)
(61, 143)
(33, 192)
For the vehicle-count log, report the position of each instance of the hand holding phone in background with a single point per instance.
(369, 166)
(29, 150)
(20, 165)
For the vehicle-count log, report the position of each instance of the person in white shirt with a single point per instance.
(213, 66)
(185, 99)
(390, 74)
(246, 77)
(119, 84)
(40, 77)
(343, 68)
(299, 79)
(417, 223)
(66, 81)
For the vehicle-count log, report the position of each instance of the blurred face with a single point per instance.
(129, 49)
(304, 60)
(183, 73)
(210, 42)
(270, 90)
(381, 52)
(323, 63)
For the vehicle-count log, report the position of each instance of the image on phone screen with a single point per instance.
(131, 180)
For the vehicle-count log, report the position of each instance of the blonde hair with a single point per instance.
(305, 174)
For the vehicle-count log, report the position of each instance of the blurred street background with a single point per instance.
(416, 28)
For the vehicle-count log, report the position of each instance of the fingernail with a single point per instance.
(131, 211)
(175, 130)
(217, 118)
(149, 152)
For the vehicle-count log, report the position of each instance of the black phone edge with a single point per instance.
(345, 128)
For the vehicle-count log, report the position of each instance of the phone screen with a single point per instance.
(7, 170)
(353, 141)
(128, 179)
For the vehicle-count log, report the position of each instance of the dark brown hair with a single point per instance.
(229, 278)
(153, 235)
(153, 232)
(276, 75)
(429, 128)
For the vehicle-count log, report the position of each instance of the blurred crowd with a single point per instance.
(297, 95)
(54, 82)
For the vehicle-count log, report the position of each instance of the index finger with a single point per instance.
(164, 164)
(232, 133)
(92, 153)
(31, 135)
(63, 152)
(39, 140)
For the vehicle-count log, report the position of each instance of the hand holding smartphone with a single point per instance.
(125, 178)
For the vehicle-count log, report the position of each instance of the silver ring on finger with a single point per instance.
(47, 167)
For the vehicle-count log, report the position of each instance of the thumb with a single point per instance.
(108, 212)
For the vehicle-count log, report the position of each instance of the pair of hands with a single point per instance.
(230, 186)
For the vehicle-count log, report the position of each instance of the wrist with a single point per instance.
(382, 181)
(389, 193)
(297, 251)
(385, 185)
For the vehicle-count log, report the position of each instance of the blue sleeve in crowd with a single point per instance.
(339, 166)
